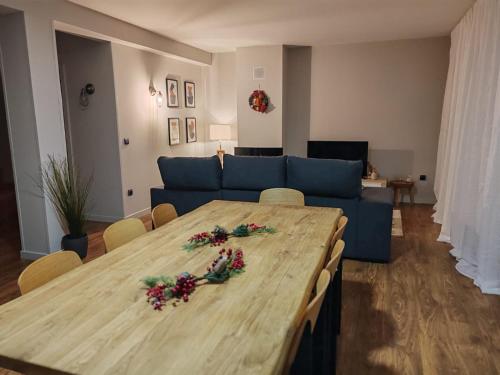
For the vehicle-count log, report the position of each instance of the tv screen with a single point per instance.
(344, 150)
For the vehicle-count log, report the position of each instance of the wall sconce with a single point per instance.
(89, 89)
(154, 92)
(152, 88)
(159, 99)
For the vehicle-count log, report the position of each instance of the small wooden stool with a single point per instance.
(398, 186)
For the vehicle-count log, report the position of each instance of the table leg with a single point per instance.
(397, 196)
(412, 198)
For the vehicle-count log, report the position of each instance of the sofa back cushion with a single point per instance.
(325, 177)
(183, 173)
(253, 172)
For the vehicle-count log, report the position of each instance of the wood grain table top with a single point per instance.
(95, 319)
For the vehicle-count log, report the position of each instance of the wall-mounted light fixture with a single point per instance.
(152, 88)
(154, 92)
(159, 98)
(89, 89)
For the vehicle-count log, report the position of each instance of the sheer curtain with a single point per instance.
(468, 169)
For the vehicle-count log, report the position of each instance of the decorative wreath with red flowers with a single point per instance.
(259, 101)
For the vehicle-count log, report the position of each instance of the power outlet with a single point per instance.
(423, 177)
(130, 192)
(126, 141)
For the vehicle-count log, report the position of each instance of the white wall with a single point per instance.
(221, 99)
(92, 131)
(389, 94)
(80, 20)
(23, 134)
(43, 93)
(260, 129)
(140, 120)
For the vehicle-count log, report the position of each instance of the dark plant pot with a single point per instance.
(77, 244)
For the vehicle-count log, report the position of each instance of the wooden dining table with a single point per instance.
(96, 320)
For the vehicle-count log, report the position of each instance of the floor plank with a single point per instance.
(416, 315)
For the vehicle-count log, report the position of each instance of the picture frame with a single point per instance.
(191, 131)
(174, 131)
(172, 93)
(189, 94)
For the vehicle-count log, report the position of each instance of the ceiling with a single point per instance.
(223, 25)
(4, 11)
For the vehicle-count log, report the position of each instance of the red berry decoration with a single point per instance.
(162, 288)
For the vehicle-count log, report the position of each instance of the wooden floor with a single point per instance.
(416, 315)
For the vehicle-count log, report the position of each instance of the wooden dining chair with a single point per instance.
(308, 320)
(121, 232)
(283, 196)
(47, 268)
(335, 257)
(163, 214)
(334, 266)
(339, 233)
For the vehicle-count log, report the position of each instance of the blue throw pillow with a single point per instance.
(253, 172)
(182, 173)
(325, 177)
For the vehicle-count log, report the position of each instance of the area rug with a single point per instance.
(397, 223)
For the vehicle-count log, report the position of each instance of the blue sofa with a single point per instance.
(192, 182)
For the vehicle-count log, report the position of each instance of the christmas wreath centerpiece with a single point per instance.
(162, 289)
(259, 101)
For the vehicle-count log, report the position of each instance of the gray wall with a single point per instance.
(91, 132)
(297, 106)
(257, 129)
(23, 132)
(389, 94)
(146, 124)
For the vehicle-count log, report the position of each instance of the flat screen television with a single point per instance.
(344, 150)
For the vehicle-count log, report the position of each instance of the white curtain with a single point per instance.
(468, 168)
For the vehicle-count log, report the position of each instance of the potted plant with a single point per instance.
(69, 193)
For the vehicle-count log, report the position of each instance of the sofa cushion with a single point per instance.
(183, 173)
(325, 177)
(183, 201)
(240, 195)
(253, 172)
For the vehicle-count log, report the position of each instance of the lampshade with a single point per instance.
(220, 132)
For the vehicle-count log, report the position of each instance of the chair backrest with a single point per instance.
(310, 315)
(163, 214)
(339, 233)
(333, 263)
(47, 268)
(121, 232)
(283, 196)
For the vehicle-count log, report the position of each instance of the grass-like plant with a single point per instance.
(69, 193)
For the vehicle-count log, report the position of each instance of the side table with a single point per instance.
(399, 186)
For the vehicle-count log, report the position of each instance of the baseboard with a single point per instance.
(112, 219)
(444, 238)
(140, 213)
(31, 255)
(104, 218)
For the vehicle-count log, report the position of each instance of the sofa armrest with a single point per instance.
(378, 195)
(375, 224)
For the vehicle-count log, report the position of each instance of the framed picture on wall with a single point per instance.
(189, 94)
(172, 93)
(174, 131)
(190, 129)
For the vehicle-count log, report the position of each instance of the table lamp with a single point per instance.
(220, 133)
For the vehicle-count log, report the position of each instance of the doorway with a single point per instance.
(10, 239)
